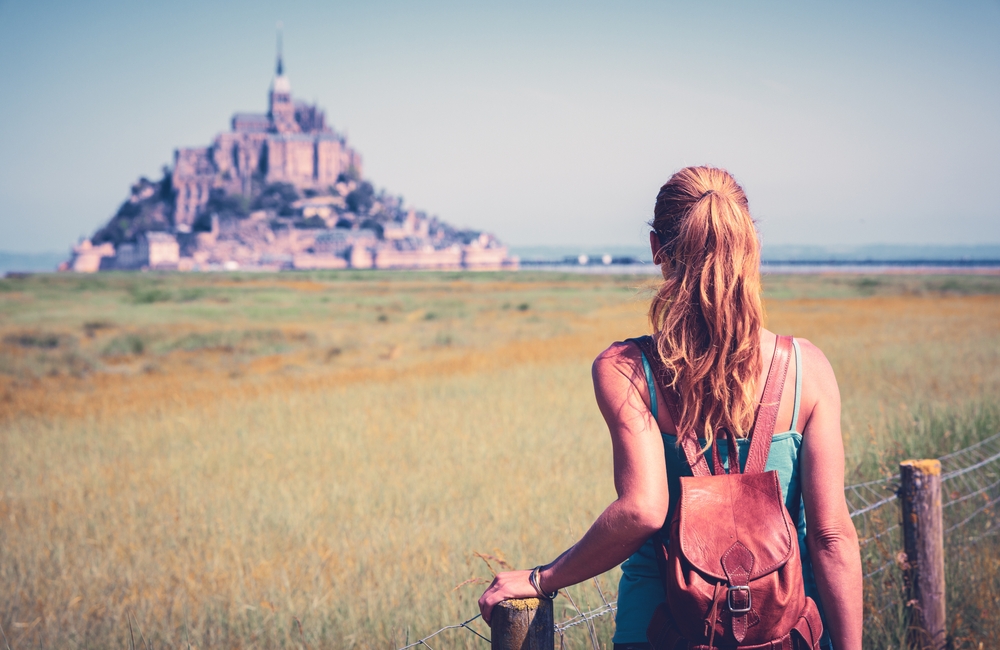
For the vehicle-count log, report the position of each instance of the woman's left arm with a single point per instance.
(640, 480)
(830, 536)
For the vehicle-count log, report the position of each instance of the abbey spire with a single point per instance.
(281, 109)
(279, 69)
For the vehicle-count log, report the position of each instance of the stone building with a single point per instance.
(158, 250)
(88, 258)
(291, 143)
(425, 257)
(229, 206)
(151, 250)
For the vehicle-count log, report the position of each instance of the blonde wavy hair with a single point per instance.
(707, 314)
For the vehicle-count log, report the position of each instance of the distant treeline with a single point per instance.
(882, 253)
(777, 253)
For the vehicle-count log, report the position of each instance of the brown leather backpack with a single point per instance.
(731, 569)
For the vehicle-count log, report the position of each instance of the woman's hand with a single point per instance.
(506, 585)
(640, 480)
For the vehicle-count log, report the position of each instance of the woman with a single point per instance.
(708, 330)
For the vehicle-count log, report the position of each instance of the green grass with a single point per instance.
(822, 286)
(257, 450)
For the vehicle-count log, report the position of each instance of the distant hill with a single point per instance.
(882, 253)
(771, 254)
(279, 190)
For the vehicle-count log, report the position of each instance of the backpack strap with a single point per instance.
(734, 452)
(688, 443)
(767, 411)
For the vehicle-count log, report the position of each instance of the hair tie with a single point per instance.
(706, 194)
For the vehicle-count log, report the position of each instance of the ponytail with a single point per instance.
(707, 314)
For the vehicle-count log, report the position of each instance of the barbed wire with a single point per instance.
(970, 487)
(992, 443)
(967, 473)
(966, 497)
(463, 625)
(867, 497)
(989, 504)
(580, 619)
(874, 538)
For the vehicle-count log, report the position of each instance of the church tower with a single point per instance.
(281, 109)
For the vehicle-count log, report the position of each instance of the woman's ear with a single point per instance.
(655, 246)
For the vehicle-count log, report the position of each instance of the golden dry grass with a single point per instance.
(311, 460)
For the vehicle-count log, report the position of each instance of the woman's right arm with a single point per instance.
(640, 480)
(830, 536)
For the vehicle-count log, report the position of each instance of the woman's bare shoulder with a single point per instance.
(620, 386)
(820, 392)
(619, 362)
(619, 356)
(815, 366)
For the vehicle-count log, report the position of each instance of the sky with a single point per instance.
(546, 123)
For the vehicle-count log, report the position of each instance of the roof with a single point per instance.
(250, 122)
(281, 84)
(291, 137)
(160, 238)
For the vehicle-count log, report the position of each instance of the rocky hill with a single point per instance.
(280, 190)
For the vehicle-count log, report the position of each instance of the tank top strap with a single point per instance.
(798, 386)
(651, 386)
(656, 374)
(650, 383)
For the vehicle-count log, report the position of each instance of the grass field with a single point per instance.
(312, 460)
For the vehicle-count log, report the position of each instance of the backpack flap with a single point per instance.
(732, 530)
(721, 514)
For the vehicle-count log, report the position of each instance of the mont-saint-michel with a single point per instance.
(280, 190)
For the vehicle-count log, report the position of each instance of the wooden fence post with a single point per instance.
(923, 542)
(525, 624)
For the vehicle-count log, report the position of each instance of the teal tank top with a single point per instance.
(641, 588)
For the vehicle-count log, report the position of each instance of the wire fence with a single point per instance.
(970, 492)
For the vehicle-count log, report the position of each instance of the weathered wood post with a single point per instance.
(923, 542)
(523, 624)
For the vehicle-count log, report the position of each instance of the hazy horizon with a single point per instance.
(988, 254)
(548, 126)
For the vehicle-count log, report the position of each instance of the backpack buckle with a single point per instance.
(735, 609)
